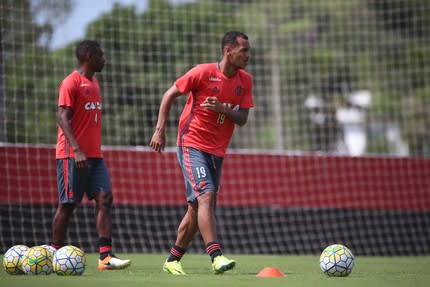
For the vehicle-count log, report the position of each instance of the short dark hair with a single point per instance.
(230, 38)
(86, 46)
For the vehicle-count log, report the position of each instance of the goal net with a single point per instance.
(336, 149)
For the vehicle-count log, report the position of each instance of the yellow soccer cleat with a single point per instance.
(174, 267)
(222, 264)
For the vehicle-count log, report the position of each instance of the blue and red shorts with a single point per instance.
(74, 182)
(201, 171)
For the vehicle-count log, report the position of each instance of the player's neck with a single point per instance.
(86, 73)
(228, 70)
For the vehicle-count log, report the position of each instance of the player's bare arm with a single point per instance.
(238, 117)
(64, 116)
(158, 140)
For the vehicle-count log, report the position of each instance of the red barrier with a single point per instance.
(142, 177)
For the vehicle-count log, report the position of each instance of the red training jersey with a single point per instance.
(204, 129)
(83, 96)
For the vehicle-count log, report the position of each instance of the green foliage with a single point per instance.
(416, 114)
(323, 48)
(152, 63)
(30, 113)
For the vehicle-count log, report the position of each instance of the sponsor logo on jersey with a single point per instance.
(214, 79)
(93, 105)
(233, 107)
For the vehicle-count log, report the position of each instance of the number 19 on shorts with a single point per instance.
(201, 172)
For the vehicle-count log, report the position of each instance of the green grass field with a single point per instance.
(146, 271)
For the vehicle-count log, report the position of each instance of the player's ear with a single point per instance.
(227, 50)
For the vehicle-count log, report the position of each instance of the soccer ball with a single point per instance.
(12, 259)
(69, 260)
(337, 260)
(37, 261)
(50, 249)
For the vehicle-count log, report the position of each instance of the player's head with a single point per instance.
(90, 54)
(231, 38)
(235, 47)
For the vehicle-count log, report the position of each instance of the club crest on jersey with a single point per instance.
(239, 91)
(215, 90)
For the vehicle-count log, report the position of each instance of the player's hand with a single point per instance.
(158, 140)
(213, 104)
(81, 160)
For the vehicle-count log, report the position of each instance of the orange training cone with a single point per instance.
(270, 272)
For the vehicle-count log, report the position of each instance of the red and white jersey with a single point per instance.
(83, 96)
(204, 129)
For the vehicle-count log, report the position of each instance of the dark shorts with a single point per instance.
(202, 171)
(74, 182)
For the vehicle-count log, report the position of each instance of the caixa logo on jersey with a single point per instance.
(93, 106)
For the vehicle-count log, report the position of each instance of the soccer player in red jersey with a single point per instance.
(220, 96)
(80, 165)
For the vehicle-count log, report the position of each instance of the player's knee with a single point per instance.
(206, 198)
(66, 208)
(104, 200)
(192, 207)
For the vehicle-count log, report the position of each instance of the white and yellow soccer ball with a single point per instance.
(337, 260)
(12, 259)
(37, 261)
(69, 261)
(50, 249)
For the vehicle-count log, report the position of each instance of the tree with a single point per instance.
(23, 42)
(323, 48)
